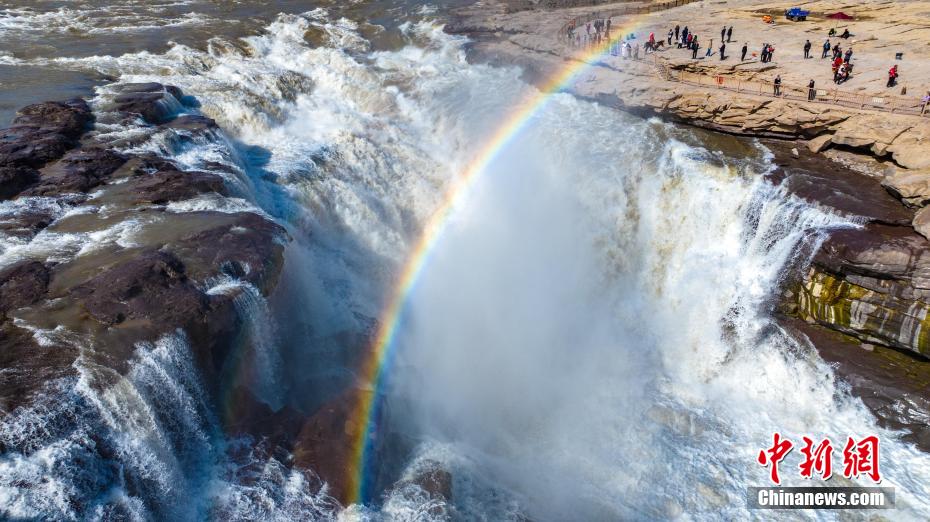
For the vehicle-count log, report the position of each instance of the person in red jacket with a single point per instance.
(836, 67)
(892, 76)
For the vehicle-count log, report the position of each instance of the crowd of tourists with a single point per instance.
(596, 33)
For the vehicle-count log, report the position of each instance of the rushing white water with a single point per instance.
(590, 341)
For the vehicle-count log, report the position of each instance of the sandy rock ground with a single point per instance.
(880, 29)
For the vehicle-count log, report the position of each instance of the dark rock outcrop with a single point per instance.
(872, 283)
(26, 223)
(893, 386)
(152, 287)
(247, 247)
(150, 295)
(172, 185)
(826, 183)
(153, 102)
(191, 123)
(78, 171)
(27, 366)
(16, 178)
(43, 132)
(22, 284)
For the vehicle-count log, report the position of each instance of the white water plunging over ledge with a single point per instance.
(591, 339)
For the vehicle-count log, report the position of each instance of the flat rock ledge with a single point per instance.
(118, 296)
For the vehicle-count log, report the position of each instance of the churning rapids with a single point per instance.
(590, 339)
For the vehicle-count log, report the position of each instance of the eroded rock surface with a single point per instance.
(118, 295)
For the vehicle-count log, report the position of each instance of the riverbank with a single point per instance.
(864, 290)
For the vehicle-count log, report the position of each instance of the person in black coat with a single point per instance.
(807, 49)
(745, 50)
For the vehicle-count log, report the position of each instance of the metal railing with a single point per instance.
(831, 96)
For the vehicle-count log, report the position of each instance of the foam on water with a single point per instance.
(592, 340)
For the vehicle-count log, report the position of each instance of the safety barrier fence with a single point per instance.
(832, 96)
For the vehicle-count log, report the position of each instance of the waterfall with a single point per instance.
(593, 337)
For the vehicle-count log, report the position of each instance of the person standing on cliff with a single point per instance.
(848, 55)
(729, 34)
(684, 35)
(694, 49)
(723, 34)
(892, 76)
(745, 50)
(676, 33)
(723, 50)
(670, 32)
(778, 85)
(836, 68)
(826, 49)
(810, 90)
(607, 30)
(807, 49)
(771, 52)
(765, 51)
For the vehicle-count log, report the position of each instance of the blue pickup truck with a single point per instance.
(797, 14)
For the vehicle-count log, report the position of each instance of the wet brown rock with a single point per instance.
(27, 366)
(893, 385)
(78, 171)
(326, 441)
(26, 223)
(22, 284)
(69, 118)
(43, 132)
(248, 247)
(172, 185)
(150, 295)
(15, 179)
(192, 123)
(826, 183)
(153, 102)
(872, 283)
(881, 252)
(26, 146)
(152, 287)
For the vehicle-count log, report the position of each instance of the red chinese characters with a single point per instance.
(773, 455)
(819, 459)
(860, 458)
